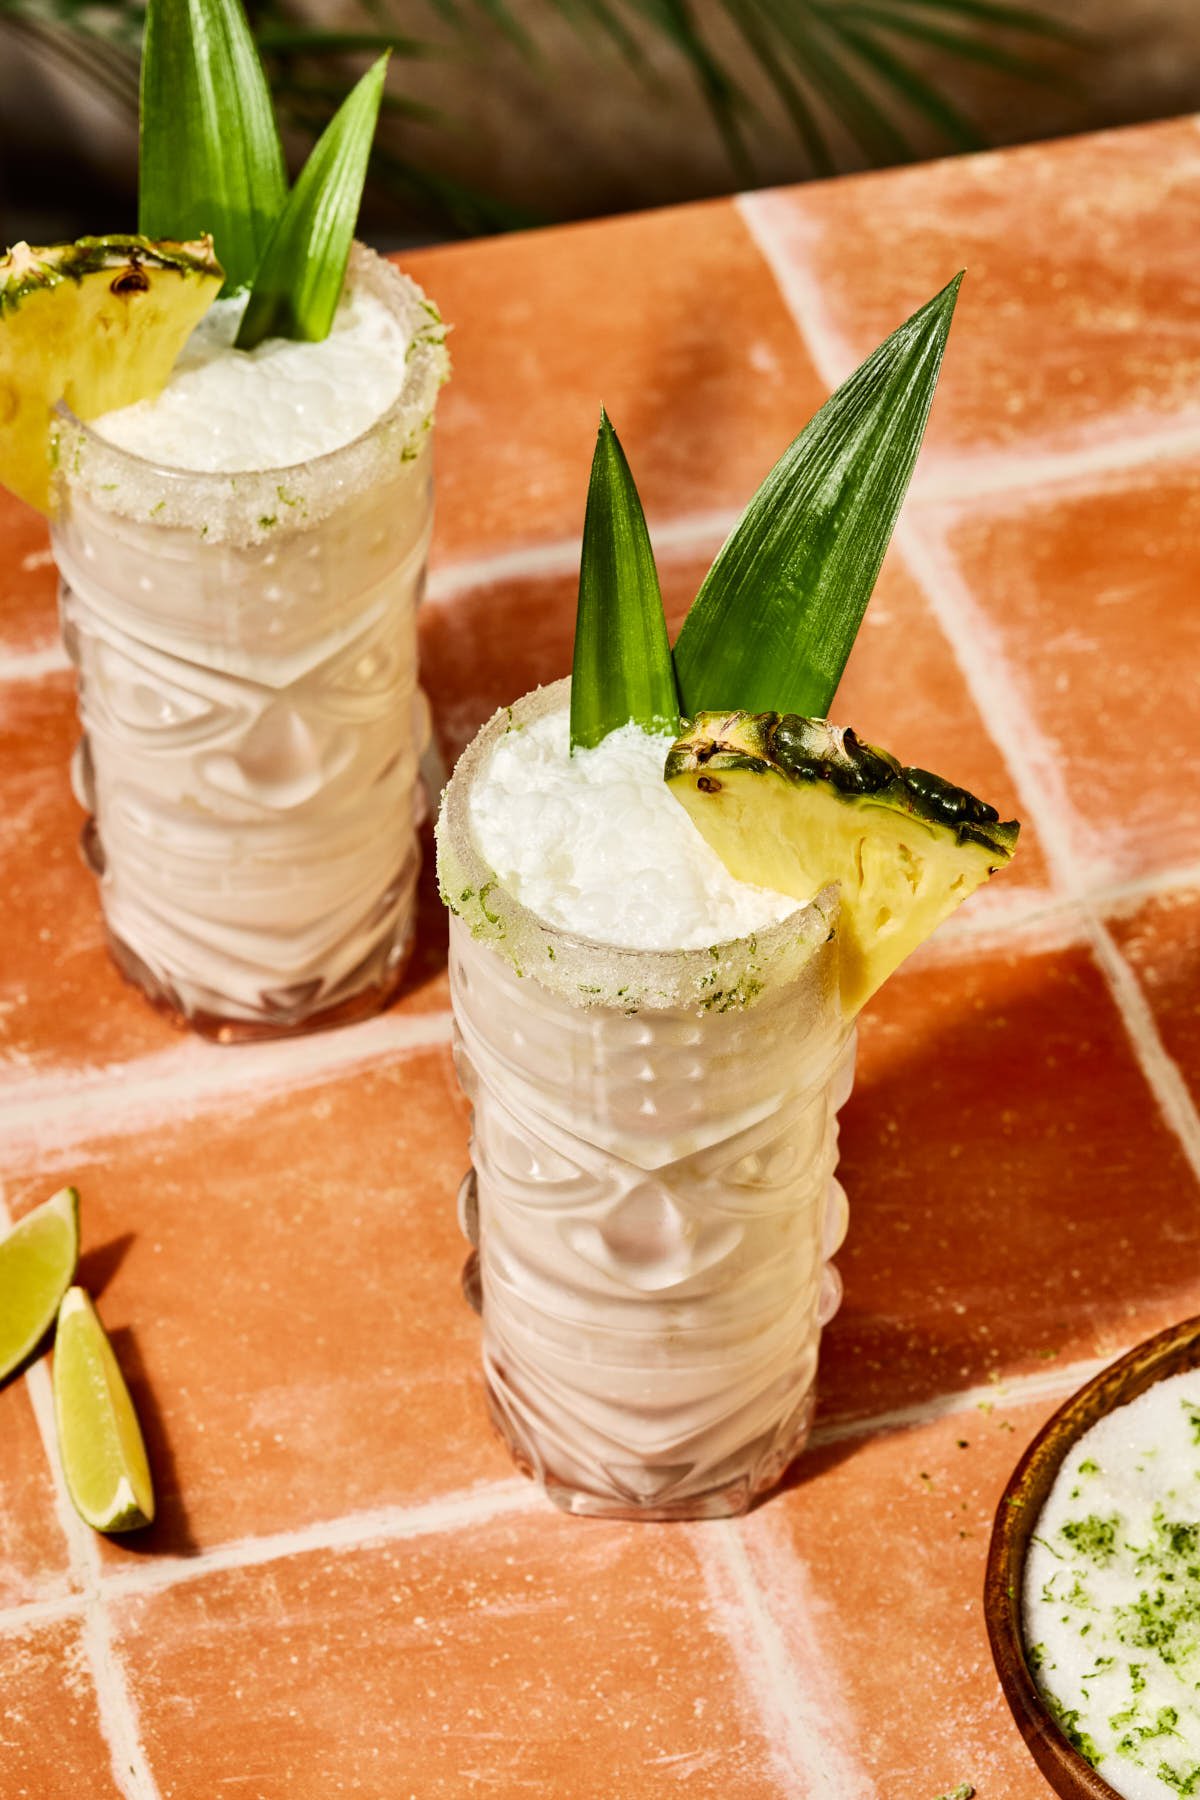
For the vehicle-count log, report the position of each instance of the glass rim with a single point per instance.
(241, 502)
(409, 302)
(722, 976)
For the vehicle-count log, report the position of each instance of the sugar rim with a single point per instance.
(240, 501)
(722, 977)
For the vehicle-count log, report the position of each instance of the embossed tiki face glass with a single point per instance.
(246, 649)
(653, 1198)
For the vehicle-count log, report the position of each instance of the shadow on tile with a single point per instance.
(98, 1265)
(170, 1532)
(424, 977)
(1002, 1153)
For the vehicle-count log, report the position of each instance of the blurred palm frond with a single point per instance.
(842, 70)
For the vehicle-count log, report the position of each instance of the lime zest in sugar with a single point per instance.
(1112, 1594)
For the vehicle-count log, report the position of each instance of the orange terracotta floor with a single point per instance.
(348, 1591)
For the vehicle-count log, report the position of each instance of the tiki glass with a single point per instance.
(652, 1200)
(252, 724)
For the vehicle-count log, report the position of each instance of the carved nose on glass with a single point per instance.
(283, 760)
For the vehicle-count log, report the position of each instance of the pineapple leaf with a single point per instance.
(210, 158)
(778, 612)
(622, 671)
(299, 281)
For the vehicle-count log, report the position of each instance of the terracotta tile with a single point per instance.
(28, 582)
(532, 1655)
(62, 1001)
(485, 648)
(53, 1742)
(1091, 598)
(671, 319)
(1077, 317)
(1002, 1154)
(902, 687)
(873, 1569)
(282, 1278)
(1161, 940)
(33, 1549)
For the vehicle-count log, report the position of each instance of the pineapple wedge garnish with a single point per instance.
(98, 324)
(794, 804)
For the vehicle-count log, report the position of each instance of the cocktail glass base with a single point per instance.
(750, 1476)
(278, 1019)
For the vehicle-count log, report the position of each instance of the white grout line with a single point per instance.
(795, 1682)
(1075, 853)
(799, 1706)
(49, 1113)
(353, 1531)
(115, 1708)
(1008, 717)
(449, 1513)
(26, 1615)
(1004, 711)
(1159, 1067)
(530, 562)
(1042, 922)
(197, 1077)
(960, 480)
(1019, 1390)
(33, 665)
(559, 557)
(1129, 444)
(1127, 896)
(678, 537)
(118, 1711)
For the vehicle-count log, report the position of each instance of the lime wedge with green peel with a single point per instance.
(794, 804)
(98, 324)
(37, 1261)
(99, 1438)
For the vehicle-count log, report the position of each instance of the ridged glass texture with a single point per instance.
(246, 650)
(653, 1199)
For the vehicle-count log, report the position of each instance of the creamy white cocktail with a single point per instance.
(655, 1054)
(241, 560)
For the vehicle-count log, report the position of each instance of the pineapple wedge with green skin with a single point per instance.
(99, 324)
(794, 804)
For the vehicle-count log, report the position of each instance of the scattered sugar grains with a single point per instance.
(273, 406)
(1112, 1594)
(595, 844)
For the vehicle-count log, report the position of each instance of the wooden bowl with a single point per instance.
(1170, 1353)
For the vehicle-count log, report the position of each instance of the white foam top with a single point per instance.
(267, 408)
(595, 843)
(1112, 1593)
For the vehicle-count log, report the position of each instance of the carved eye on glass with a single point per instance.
(768, 1165)
(515, 1160)
(147, 702)
(372, 671)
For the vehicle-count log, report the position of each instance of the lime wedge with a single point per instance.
(99, 1439)
(37, 1261)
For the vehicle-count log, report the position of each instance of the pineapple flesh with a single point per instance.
(97, 324)
(794, 804)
